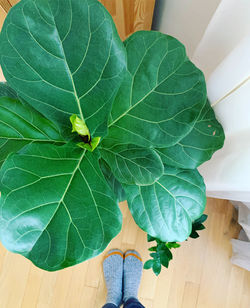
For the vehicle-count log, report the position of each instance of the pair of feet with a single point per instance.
(122, 273)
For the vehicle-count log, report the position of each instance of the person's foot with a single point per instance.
(132, 272)
(113, 274)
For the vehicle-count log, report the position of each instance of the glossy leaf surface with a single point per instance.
(131, 164)
(167, 208)
(20, 125)
(198, 146)
(64, 57)
(162, 94)
(114, 184)
(7, 91)
(56, 207)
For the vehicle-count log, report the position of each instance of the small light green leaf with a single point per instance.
(131, 164)
(20, 125)
(161, 95)
(173, 245)
(166, 209)
(91, 145)
(199, 145)
(56, 207)
(85, 146)
(94, 142)
(79, 126)
(64, 57)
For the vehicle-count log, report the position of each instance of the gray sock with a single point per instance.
(113, 274)
(132, 272)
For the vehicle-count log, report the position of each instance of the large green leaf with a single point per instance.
(167, 208)
(7, 91)
(131, 164)
(115, 185)
(198, 146)
(161, 95)
(56, 207)
(64, 57)
(20, 124)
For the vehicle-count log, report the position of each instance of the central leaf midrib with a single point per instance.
(142, 99)
(67, 67)
(175, 199)
(62, 198)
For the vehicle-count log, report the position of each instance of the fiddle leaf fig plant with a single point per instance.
(87, 121)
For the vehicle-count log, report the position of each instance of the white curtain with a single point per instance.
(217, 36)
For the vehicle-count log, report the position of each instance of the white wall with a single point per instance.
(227, 28)
(185, 19)
(208, 28)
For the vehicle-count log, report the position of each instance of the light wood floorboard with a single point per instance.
(201, 274)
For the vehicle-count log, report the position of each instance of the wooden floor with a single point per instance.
(201, 274)
(129, 15)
